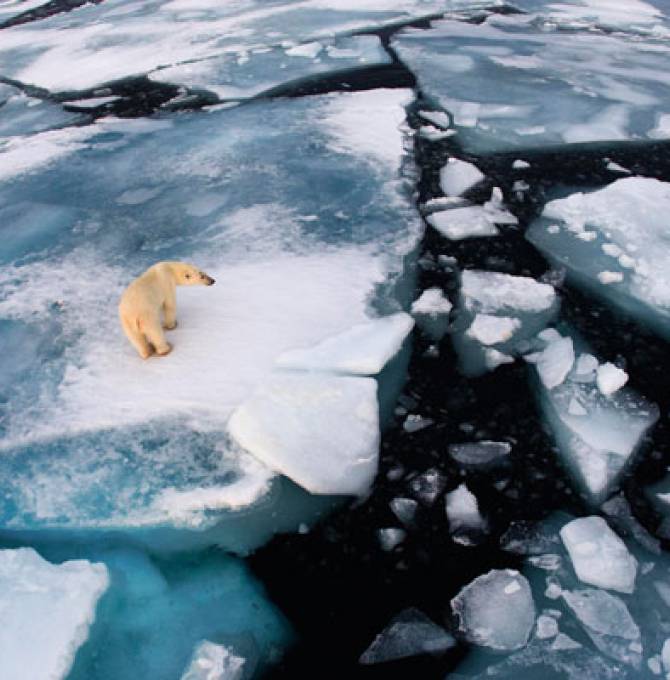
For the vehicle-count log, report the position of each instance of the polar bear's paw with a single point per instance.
(170, 326)
(164, 350)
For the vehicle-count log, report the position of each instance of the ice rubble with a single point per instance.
(483, 609)
(620, 230)
(512, 82)
(156, 615)
(431, 312)
(410, 633)
(497, 313)
(597, 434)
(232, 191)
(46, 612)
(97, 44)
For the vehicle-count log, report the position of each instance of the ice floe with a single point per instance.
(320, 430)
(597, 434)
(46, 612)
(496, 610)
(623, 260)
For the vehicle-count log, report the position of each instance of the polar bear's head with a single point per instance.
(188, 275)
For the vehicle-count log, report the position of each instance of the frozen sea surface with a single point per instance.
(293, 267)
(514, 83)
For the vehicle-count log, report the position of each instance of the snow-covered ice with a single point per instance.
(498, 313)
(98, 44)
(46, 612)
(466, 523)
(496, 610)
(212, 661)
(431, 312)
(220, 189)
(599, 557)
(514, 83)
(361, 350)
(320, 430)
(457, 177)
(624, 263)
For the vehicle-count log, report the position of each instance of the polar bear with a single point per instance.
(150, 294)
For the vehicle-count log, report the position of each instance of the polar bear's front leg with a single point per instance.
(170, 313)
(154, 331)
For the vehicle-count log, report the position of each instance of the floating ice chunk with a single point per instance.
(586, 367)
(610, 378)
(480, 454)
(493, 330)
(637, 282)
(665, 655)
(575, 86)
(498, 313)
(495, 293)
(212, 661)
(555, 361)
(547, 627)
(520, 164)
(410, 633)
(599, 556)
(496, 610)
(438, 118)
(459, 223)
(45, 612)
(431, 312)
(465, 520)
(362, 350)
(595, 446)
(607, 622)
(416, 423)
(391, 538)
(564, 642)
(321, 431)
(428, 485)
(457, 177)
(404, 509)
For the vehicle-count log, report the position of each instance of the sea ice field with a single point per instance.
(418, 427)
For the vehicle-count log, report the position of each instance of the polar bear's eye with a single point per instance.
(188, 276)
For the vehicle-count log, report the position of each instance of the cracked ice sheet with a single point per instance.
(649, 18)
(613, 243)
(220, 189)
(117, 39)
(574, 86)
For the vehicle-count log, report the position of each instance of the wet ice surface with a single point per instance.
(454, 381)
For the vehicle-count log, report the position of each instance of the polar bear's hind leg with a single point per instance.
(136, 337)
(153, 329)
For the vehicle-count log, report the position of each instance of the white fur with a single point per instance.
(153, 294)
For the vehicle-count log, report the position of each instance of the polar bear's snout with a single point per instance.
(209, 280)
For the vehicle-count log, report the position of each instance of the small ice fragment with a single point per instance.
(438, 118)
(598, 555)
(212, 661)
(576, 409)
(665, 655)
(457, 177)
(547, 627)
(308, 50)
(479, 453)
(427, 486)
(465, 520)
(607, 277)
(410, 633)
(553, 591)
(564, 642)
(390, 538)
(490, 616)
(404, 509)
(586, 364)
(610, 378)
(555, 362)
(615, 167)
(492, 330)
(520, 164)
(415, 423)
